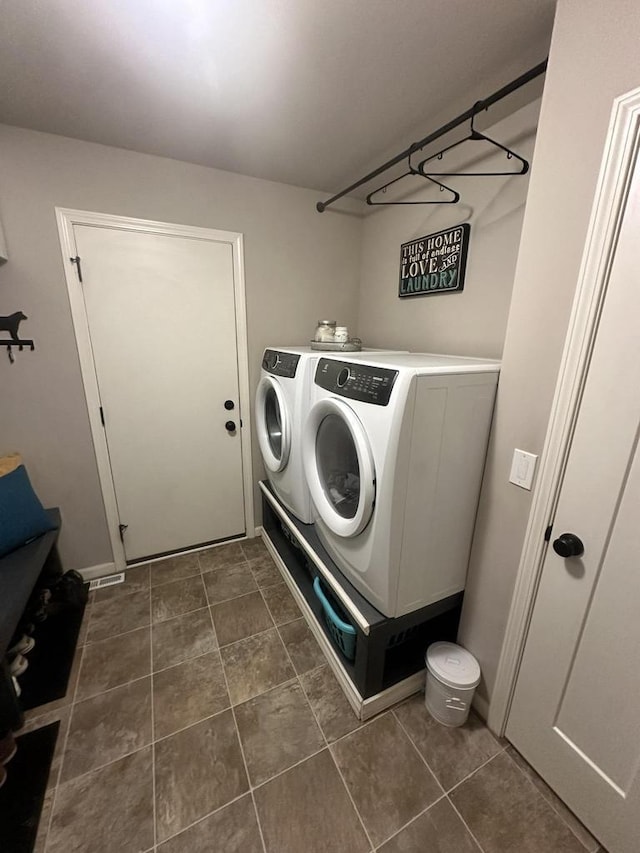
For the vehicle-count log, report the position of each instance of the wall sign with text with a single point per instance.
(435, 263)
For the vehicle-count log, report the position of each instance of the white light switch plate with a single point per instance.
(523, 467)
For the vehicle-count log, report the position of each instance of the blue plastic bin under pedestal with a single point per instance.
(342, 632)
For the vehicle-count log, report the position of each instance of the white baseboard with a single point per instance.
(392, 695)
(90, 573)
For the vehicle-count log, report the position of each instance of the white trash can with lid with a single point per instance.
(452, 677)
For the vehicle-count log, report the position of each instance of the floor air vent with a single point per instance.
(110, 580)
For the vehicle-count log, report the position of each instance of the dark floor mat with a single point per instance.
(47, 675)
(22, 795)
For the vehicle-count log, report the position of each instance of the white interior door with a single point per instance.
(161, 316)
(576, 711)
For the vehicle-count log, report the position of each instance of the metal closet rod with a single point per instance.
(321, 206)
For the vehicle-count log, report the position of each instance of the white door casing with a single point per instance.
(172, 353)
(610, 197)
(575, 710)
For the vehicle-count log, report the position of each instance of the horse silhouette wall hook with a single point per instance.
(11, 324)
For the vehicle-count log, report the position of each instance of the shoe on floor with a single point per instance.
(18, 666)
(8, 748)
(24, 645)
(40, 614)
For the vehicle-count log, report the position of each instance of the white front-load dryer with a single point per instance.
(394, 450)
(282, 402)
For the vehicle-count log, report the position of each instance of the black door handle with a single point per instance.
(230, 426)
(229, 405)
(568, 545)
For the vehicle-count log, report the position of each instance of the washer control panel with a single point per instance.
(280, 363)
(356, 381)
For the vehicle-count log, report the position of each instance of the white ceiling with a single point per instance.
(308, 92)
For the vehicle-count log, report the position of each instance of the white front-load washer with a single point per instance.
(282, 402)
(394, 451)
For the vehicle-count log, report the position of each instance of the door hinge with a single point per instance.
(76, 261)
(547, 533)
(101, 415)
(122, 528)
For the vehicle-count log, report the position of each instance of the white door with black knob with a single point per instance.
(576, 710)
(161, 319)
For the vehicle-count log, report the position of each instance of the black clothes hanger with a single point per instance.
(485, 103)
(455, 197)
(475, 136)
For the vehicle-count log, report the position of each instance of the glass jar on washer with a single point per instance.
(325, 331)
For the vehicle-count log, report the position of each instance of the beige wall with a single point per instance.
(299, 266)
(594, 59)
(472, 322)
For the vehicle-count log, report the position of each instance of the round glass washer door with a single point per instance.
(339, 467)
(273, 425)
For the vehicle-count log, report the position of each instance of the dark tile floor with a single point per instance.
(201, 717)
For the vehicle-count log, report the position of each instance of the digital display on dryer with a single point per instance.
(280, 363)
(356, 381)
